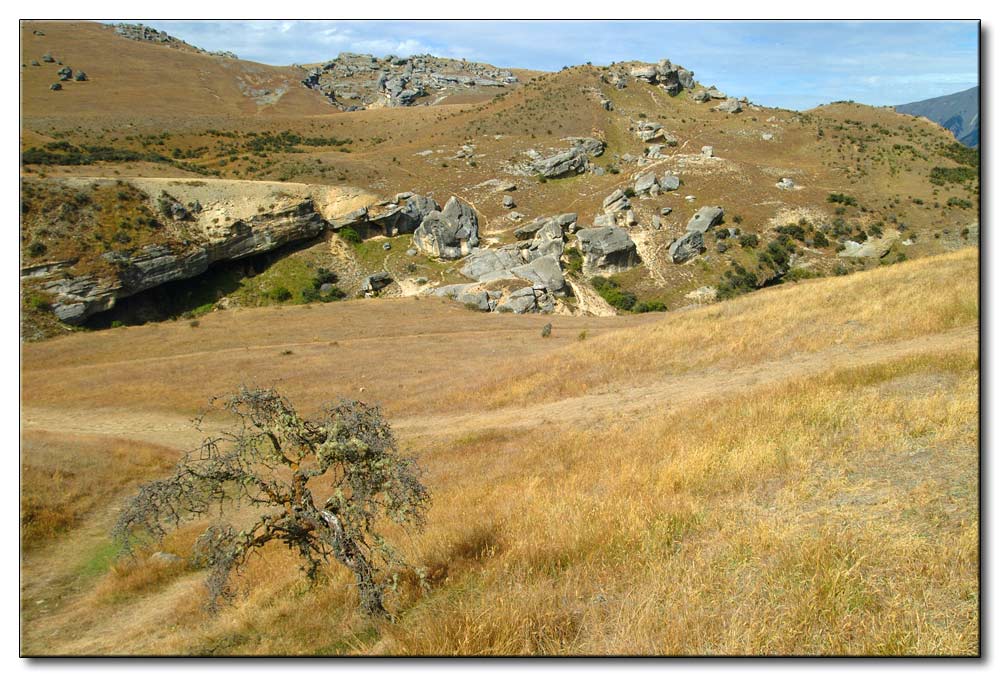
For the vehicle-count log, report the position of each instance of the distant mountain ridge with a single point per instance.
(958, 113)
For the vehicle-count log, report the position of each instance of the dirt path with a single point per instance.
(615, 403)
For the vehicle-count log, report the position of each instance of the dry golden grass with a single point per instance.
(894, 302)
(828, 513)
(834, 515)
(64, 478)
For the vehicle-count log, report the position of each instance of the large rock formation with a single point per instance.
(78, 296)
(692, 242)
(673, 79)
(607, 249)
(575, 160)
(357, 81)
(450, 233)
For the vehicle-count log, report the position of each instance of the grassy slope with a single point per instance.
(829, 513)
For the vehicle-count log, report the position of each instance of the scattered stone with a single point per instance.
(574, 160)
(701, 96)
(372, 284)
(499, 185)
(411, 252)
(729, 106)
(687, 246)
(65, 73)
(386, 246)
(615, 202)
(703, 295)
(665, 211)
(508, 202)
(766, 136)
(670, 182)
(630, 219)
(515, 216)
(786, 184)
(690, 198)
(399, 197)
(55, 86)
(34, 62)
(645, 183)
(165, 558)
(656, 222)
(716, 94)
(604, 220)
(707, 151)
(47, 58)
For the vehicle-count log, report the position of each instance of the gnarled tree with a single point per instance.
(319, 486)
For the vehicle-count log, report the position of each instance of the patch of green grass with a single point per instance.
(99, 559)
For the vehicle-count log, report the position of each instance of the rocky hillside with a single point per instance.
(958, 113)
(149, 34)
(598, 189)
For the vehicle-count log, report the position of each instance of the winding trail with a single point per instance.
(616, 403)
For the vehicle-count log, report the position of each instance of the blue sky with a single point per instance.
(788, 64)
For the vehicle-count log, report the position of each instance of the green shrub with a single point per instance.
(574, 260)
(36, 249)
(840, 198)
(820, 240)
(650, 307)
(612, 292)
(348, 234)
(281, 294)
(749, 240)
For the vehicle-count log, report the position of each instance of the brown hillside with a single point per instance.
(131, 78)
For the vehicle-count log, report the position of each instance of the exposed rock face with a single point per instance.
(575, 160)
(705, 218)
(607, 249)
(527, 300)
(450, 233)
(484, 265)
(543, 272)
(358, 81)
(80, 296)
(874, 248)
(468, 294)
(405, 218)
